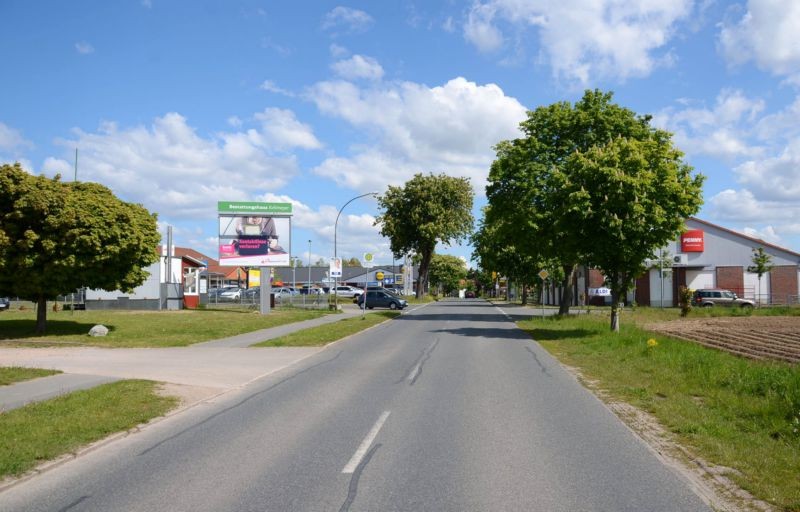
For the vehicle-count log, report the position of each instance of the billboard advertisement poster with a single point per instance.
(335, 269)
(253, 239)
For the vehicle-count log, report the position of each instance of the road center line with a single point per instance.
(365, 444)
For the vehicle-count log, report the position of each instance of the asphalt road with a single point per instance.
(447, 408)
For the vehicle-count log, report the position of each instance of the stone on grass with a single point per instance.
(98, 330)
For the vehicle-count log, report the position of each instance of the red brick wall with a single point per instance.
(783, 283)
(731, 278)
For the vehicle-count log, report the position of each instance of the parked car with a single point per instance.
(231, 293)
(469, 294)
(283, 293)
(348, 291)
(711, 297)
(381, 299)
(4, 303)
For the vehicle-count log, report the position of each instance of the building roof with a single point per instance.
(742, 235)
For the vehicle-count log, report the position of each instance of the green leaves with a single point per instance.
(56, 237)
(426, 211)
(603, 186)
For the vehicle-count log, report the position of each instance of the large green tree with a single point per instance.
(528, 172)
(427, 210)
(56, 237)
(623, 200)
(447, 272)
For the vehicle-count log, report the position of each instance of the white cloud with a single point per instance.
(767, 234)
(358, 66)
(479, 29)
(283, 130)
(271, 86)
(414, 128)
(235, 121)
(767, 33)
(11, 140)
(338, 51)
(355, 233)
(174, 171)
(722, 131)
(773, 178)
(584, 39)
(348, 19)
(84, 48)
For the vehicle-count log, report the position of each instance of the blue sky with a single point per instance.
(180, 104)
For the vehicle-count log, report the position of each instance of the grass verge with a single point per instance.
(12, 374)
(142, 328)
(46, 430)
(733, 412)
(323, 334)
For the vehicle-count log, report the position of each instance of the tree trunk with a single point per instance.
(566, 289)
(524, 295)
(41, 314)
(614, 310)
(424, 264)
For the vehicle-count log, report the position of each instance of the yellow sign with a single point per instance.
(544, 274)
(379, 276)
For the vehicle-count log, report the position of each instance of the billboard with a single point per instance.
(254, 234)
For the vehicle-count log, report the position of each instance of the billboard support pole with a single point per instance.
(266, 289)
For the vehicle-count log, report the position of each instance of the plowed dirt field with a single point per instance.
(757, 337)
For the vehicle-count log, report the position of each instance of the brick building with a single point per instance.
(710, 256)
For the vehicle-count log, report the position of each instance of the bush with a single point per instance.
(685, 300)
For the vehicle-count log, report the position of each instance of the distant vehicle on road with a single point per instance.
(4, 303)
(710, 297)
(381, 298)
(469, 294)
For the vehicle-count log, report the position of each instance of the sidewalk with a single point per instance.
(211, 367)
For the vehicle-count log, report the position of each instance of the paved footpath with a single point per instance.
(215, 366)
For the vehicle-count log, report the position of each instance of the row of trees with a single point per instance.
(588, 183)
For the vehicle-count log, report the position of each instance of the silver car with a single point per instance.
(710, 297)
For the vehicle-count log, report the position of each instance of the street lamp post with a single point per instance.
(335, 227)
(308, 290)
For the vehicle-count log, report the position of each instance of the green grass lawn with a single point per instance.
(323, 334)
(730, 411)
(46, 430)
(142, 328)
(12, 374)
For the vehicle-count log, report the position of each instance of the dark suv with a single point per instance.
(711, 297)
(381, 299)
(4, 303)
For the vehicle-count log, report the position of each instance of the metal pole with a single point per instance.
(309, 269)
(661, 270)
(335, 240)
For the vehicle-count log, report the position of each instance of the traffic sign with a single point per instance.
(544, 274)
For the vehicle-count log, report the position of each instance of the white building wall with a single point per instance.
(150, 289)
(696, 279)
(655, 289)
(751, 289)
